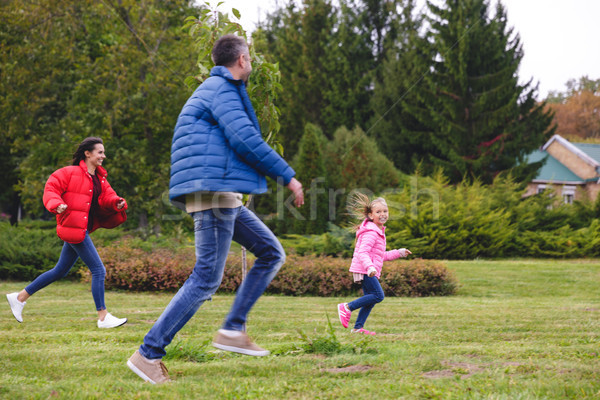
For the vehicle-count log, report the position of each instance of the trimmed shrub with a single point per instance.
(28, 250)
(166, 269)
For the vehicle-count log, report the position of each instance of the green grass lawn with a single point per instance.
(524, 329)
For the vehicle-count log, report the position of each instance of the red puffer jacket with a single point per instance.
(73, 186)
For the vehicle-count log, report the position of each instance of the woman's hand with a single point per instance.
(61, 208)
(120, 204)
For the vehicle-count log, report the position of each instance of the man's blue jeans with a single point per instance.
(69, 255)
(372, 294)
(214, 230)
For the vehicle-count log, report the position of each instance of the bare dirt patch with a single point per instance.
(437, 374)
(351, 368)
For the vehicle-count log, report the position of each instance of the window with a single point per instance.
(541, 188)
(568, 193)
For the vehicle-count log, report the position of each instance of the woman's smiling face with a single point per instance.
(95, 157)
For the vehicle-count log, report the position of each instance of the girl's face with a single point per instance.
(379, 214)
(95, 157)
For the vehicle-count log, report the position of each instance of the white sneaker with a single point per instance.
(111, 322)
(16, 306)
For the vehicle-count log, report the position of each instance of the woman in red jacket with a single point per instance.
(83, 201)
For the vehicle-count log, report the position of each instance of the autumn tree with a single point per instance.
(577, 110)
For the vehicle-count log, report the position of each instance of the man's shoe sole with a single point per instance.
(242, 350)
(139, 372)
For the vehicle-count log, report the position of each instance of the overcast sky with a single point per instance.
(561, 38)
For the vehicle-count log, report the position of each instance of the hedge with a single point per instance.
(167, 269)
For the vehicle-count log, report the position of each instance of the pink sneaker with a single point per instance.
(363, 331)
(344, 314)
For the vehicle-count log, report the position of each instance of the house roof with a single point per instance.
(553, 170)
(575, 148)
(592, 150)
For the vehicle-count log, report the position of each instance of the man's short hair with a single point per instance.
(227, 49)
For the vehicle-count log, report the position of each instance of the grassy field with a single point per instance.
(523, 329)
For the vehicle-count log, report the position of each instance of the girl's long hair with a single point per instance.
(360, 206)
(88, 144)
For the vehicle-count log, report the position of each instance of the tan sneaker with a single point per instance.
(239, 344)
(153, 372)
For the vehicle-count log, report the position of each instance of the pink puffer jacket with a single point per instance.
(370, 249)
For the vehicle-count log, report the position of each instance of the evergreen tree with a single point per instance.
(397, 79)
(329, 58)
(310, 169)
(467, 112)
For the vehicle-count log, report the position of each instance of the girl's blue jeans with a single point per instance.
(214, 229)
(68, 256)
(372, 294)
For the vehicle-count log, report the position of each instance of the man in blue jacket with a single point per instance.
(218, 154)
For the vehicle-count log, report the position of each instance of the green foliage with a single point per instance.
(466, 221)
(28, 250)
(165, 269)
(264, 83)
(108, 69)
(337, 242)
(465, 110)
(328, 343)
(310, 169)
(328, 60)
(190, 351)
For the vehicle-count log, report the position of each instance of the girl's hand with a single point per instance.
(371, 272)
(61, 208)
(120, 204)
(404, 252)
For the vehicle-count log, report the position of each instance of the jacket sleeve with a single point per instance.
(364, 250)
(391, 255)
(55, 186)
(109, 198)
(247, 142)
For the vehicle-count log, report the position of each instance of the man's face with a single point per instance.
(247, 65)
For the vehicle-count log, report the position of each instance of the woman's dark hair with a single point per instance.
(227, 49)
(88, 144)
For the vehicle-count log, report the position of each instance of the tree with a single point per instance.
(310, 169)
(329, 57)
(112, 69)
(467, 113)
(577, 111)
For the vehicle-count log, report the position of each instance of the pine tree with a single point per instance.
(310, 169)
(467, 112)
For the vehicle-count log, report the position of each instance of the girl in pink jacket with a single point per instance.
(368, 258)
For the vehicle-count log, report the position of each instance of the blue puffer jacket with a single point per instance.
(217, 145)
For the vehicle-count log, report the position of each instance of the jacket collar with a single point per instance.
(224, 72)
(368, 225)
(100, 169)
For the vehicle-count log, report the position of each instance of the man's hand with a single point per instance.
(296, 187)
(120, 204)
(61, 208)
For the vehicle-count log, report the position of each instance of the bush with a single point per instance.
(28, 249)
(167, 269)
(469, 220)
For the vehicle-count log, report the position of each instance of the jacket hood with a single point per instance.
(368, 225)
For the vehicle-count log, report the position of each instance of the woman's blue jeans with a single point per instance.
(69, 255)
(372, 294)
(214, 230)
